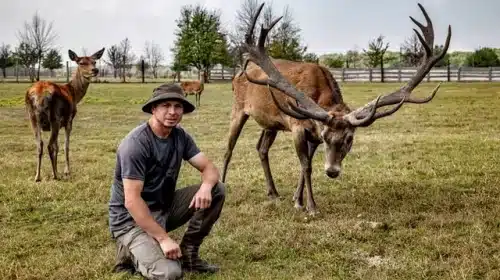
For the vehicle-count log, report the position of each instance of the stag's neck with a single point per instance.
(79, 85)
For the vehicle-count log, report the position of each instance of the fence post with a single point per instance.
(459, 73)
(343, 74)
(142, 70)
(67, 71)
(399, 73)
(490, 73)
(370, 74)
(448, 71)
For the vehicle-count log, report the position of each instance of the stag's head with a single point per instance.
(336, 126)
(86, 64)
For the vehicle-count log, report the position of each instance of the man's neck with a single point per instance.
(159, 130)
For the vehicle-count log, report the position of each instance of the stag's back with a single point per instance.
(192, 87)
(310, 78)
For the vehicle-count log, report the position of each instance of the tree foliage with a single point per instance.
(52, 60)
(200, 40)
(483, 57)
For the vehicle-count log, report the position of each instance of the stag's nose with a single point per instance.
(95, 71)
(332, 172)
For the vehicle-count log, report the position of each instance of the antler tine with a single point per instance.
(258, 55)
(403, 94)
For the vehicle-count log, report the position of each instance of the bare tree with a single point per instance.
(127, 58)
(154, 56)
(375, 53)
(40, 35)
(114, 59)
(5, 58)
(412, 51)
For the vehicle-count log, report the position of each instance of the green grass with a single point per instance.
(429, 174)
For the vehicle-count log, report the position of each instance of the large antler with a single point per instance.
(403, 94)
(258, 55)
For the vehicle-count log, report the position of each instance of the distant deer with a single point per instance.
(307, 101)
(193, 88)
(52, 106)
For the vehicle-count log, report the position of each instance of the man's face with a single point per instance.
(168, 113)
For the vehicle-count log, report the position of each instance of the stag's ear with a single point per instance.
(312, 135)
(98, 54)
(72, 55)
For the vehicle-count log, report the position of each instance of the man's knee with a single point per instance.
(166, 269)
(220, 190)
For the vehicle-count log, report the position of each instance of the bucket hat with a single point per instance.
(168, 92)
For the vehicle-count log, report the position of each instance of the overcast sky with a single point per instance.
(327, 25)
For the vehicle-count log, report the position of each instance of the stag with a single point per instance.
(52, 106)
(193, 88)
(304, 99)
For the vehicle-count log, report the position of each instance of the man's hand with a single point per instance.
(170, 248)
(203, 198)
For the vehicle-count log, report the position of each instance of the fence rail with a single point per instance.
(451, 74)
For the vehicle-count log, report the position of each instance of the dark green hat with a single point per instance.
(169, 91)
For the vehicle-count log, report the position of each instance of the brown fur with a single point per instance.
(323, 118)
(193, 88)
(52, 106)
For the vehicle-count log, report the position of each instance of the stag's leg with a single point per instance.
(302, 149)
(67, 133)
(298, 196)
(238, 120)
(37, 130)
(266, 139)
(53, 147)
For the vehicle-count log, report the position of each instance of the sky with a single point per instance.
(326, 25)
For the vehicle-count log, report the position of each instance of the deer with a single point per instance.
(193, 88)
(304, 99)
(51, 106)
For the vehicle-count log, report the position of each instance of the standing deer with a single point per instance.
(52, 106)
(193, 88)
(304, 99)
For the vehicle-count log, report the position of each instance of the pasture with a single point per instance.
(417, 197)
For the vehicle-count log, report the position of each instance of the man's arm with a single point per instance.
(140, 211)
(209, 172)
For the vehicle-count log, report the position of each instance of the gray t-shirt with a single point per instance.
(143, 156)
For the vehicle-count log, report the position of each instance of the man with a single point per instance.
(145, 206)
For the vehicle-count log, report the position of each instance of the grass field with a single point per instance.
(429, 175)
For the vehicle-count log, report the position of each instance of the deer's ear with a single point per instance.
(72, 55)
(98, 54)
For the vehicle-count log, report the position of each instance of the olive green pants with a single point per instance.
(146, 253)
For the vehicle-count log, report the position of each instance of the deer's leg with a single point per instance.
(37, 130)
(302, 149)
(53, 147)
(266, 139)
(67, 133)
(238, 120)
(298, 196)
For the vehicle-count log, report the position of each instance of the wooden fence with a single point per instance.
(220, 74)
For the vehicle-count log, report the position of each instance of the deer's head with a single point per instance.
(335, 127)
(86, 64)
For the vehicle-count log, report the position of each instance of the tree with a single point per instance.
(310, 57)
(334, 61)
(153, 57)
(412, 51)
(483, 57)
(5, 58)
(126, 58)
(199, 38)
(40, 36)
(114, 59)
(26, 55)
(285, 42)
(375, 54)
(52, 60)
(352, 58)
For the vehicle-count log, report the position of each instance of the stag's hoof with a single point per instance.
(299, 206)
(38, 179)
(312, 213)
